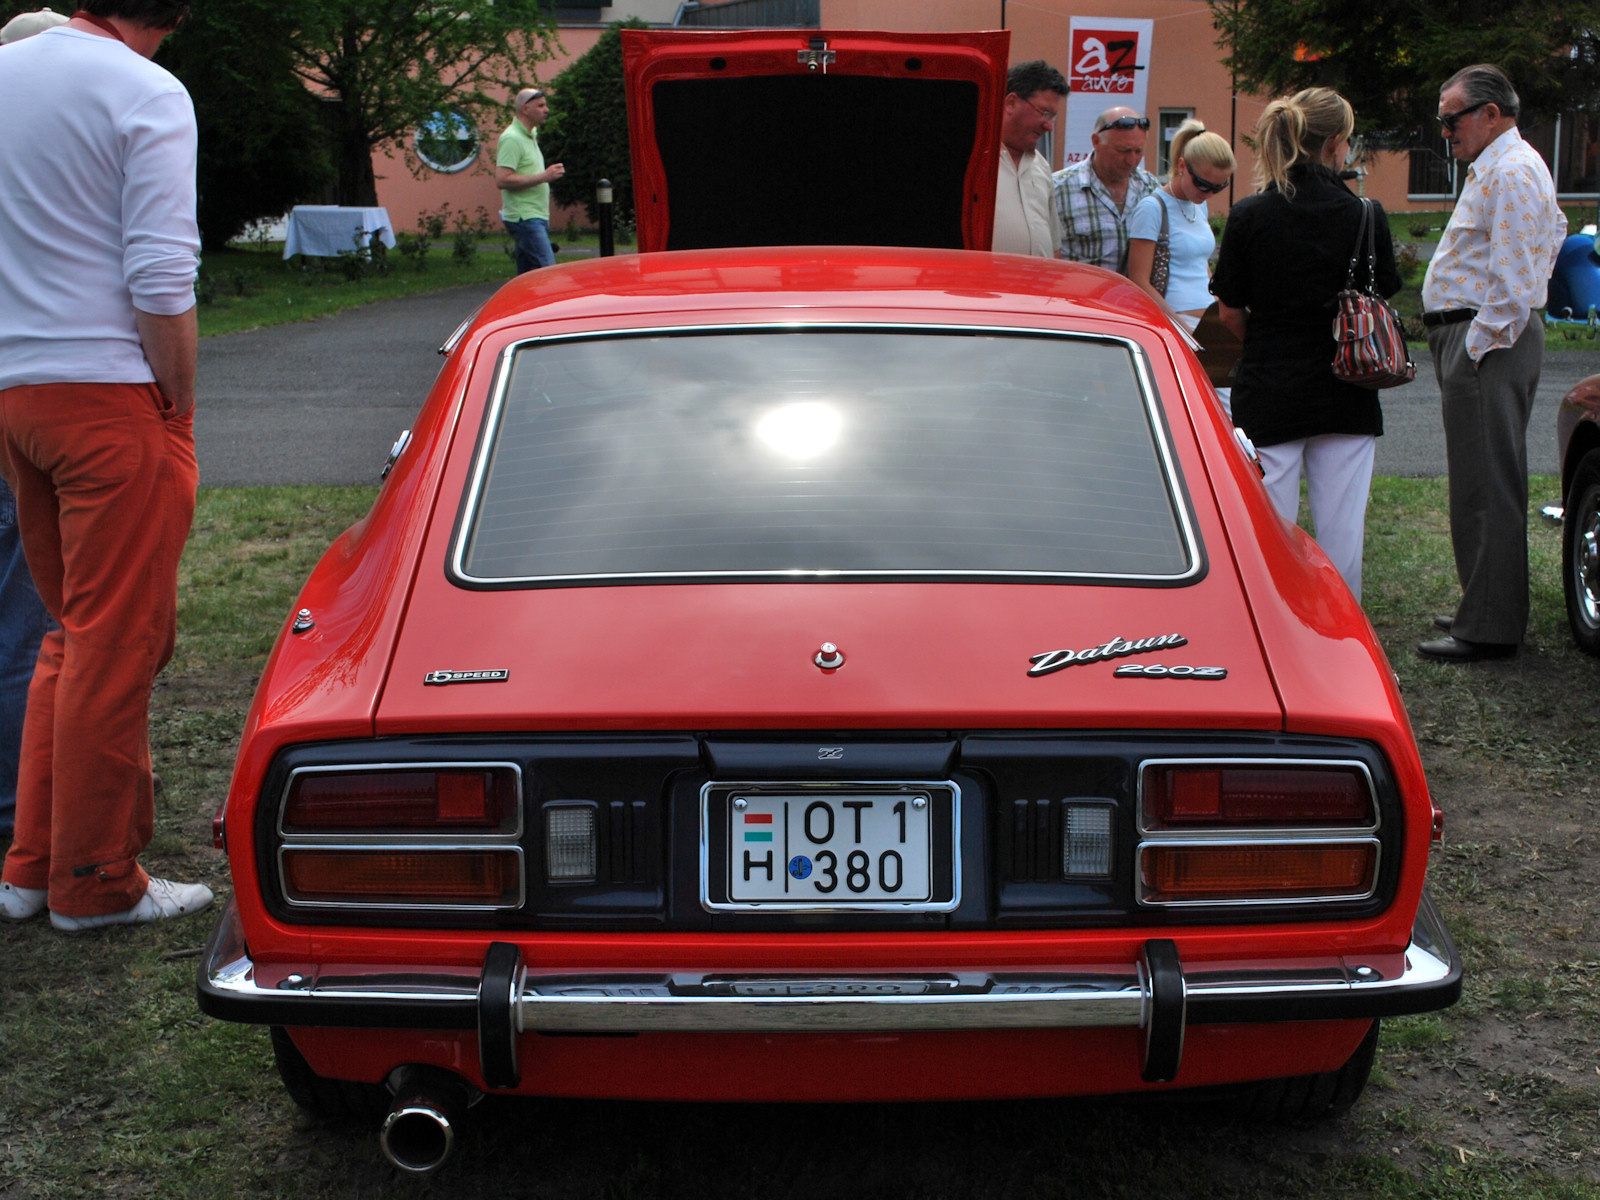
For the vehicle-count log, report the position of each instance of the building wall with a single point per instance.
(1185, 73)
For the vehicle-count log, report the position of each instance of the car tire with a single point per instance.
(1580, 554)
(340, 1102)
(1296, 1098)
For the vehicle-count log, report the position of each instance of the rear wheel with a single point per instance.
(1297, 1098)
(333, 1101)
(1580, 554)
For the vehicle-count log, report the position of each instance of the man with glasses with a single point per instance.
(1095, 197)
(1488, 275)
(521, 175)
(1024, 217)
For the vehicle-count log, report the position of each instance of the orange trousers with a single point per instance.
(105, 480)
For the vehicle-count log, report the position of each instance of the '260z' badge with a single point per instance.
(1157, 671)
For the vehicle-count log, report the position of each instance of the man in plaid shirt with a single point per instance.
(1094, 197)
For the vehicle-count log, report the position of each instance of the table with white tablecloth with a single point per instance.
(328, 230)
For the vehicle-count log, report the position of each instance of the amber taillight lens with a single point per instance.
(1205, 796)
(465, 798)
(1201, 872)
(485, 877)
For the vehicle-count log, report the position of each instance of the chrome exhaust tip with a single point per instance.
(420, 1130)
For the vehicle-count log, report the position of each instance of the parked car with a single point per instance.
(1578, 436)
(844, 672)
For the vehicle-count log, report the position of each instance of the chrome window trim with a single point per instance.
(1244, 833)
(501, 835)
(887, 787)
(1253, 844)
(1155, 417)
(392, 846)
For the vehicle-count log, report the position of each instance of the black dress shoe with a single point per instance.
(1443, 623)
(1453, 649)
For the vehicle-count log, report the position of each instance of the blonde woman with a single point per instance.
(1202, 165)
(1285, 257)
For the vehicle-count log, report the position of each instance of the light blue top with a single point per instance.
(1191, 240)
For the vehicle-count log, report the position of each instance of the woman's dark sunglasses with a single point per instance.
(1448, 120)
(1209, 188)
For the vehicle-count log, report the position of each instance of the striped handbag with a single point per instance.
(1369, 345)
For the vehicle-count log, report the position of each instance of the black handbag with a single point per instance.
(1369, 343)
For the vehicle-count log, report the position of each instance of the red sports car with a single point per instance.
(830, 673)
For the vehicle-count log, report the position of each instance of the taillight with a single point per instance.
(1203, 795)
(404, 799)
(405, 877)
(1200, 872)
(1256, 831)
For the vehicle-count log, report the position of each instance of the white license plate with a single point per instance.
(841, 848)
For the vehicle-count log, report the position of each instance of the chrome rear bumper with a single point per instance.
(1156, 993)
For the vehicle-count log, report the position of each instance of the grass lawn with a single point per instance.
(112, 1083)
(245, 287)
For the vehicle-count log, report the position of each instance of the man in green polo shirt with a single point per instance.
(521, 175)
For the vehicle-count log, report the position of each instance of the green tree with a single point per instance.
(588, 127)
(386, 67)
(263, 145)
(1389, 59)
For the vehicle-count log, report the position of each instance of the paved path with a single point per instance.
(322, 401)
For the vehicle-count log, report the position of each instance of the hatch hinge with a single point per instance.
(818, 56)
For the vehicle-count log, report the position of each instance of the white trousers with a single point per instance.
(1338, 471)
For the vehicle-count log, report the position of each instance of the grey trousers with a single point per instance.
(1486, 410)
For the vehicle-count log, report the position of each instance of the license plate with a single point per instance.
(840, 848)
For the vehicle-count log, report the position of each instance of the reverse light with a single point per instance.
(1085, 840)
(1201, 795)
(437, 798)
(475, 878)
(571, 845)
(1204, 872)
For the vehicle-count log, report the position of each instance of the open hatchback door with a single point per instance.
(800, 137)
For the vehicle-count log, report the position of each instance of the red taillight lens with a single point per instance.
(466, 798)
(1172, 874)
(410, 877)
(1202, 795)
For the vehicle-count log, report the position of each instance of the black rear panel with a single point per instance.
(650, 801)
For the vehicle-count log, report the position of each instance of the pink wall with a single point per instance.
(407, 195)
(1185, 72)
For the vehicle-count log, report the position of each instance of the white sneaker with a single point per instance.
(19, 904)
(162, 900)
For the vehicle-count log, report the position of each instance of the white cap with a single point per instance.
(29, 24)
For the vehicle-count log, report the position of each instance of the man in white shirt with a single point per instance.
(97, 360)
(1024, 217)
(1488, 275)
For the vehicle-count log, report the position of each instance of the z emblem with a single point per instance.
(830, 752)
(492, 675)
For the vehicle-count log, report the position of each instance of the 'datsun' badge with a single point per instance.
(1055, 660)
(492, 675)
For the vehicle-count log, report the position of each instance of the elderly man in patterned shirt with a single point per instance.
(1490, 272)
(1095, 197)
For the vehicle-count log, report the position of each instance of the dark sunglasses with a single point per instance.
(1125, 123)
(1210, 189)
(1448, 120)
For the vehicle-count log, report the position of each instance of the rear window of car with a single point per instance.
(830, 454)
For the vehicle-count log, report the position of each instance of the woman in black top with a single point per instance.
(1285, 258)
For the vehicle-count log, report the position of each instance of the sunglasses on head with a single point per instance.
(1125, 123)
(1448, 120)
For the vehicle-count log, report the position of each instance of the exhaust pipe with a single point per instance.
(420, 1130)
